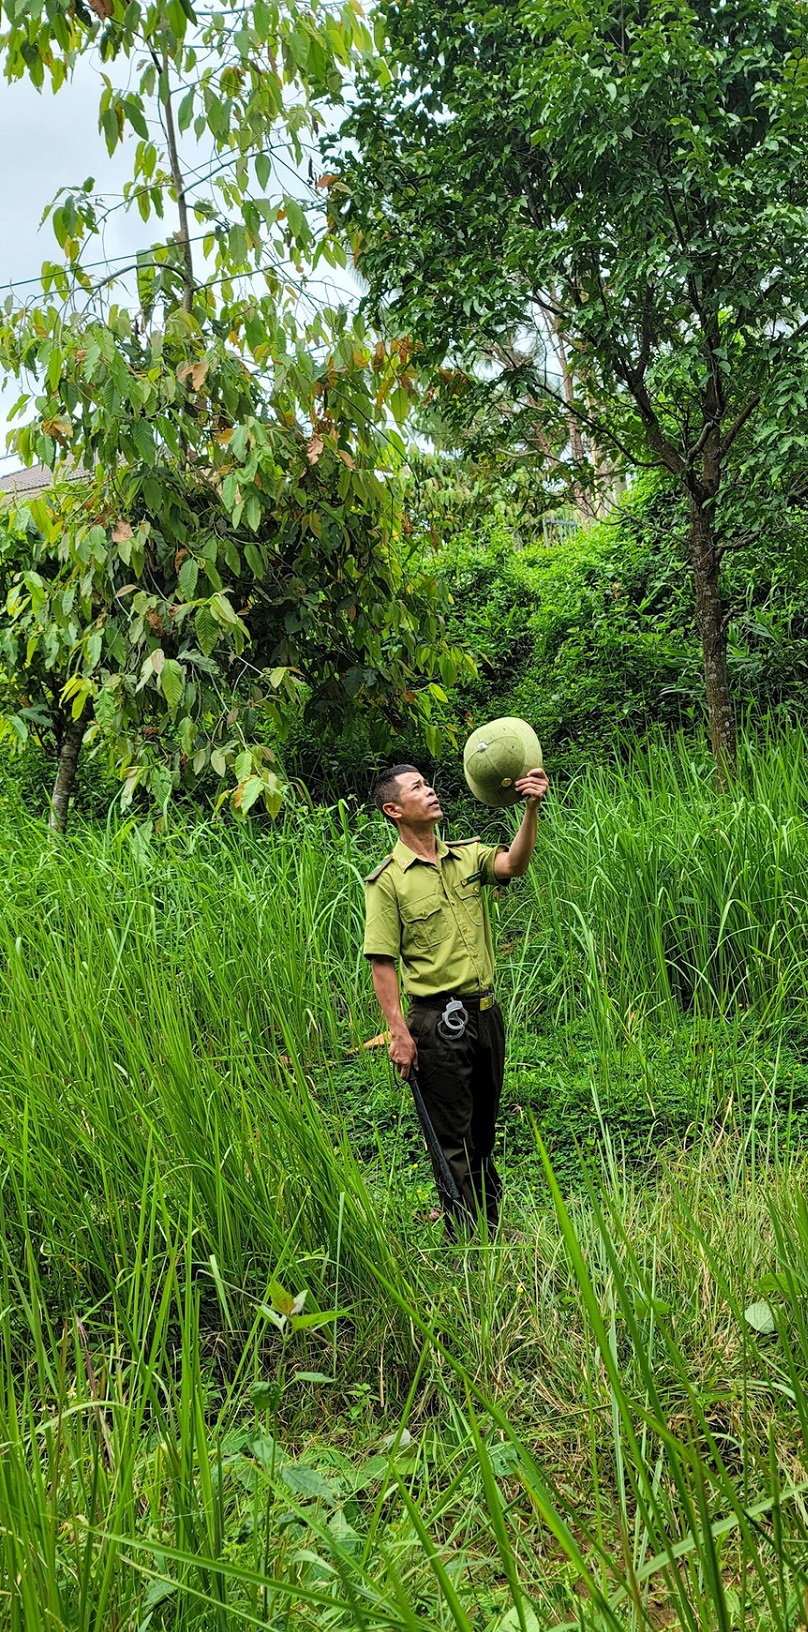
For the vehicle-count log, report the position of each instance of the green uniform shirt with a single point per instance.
(433, 918)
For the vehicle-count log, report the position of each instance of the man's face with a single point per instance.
(415, 802)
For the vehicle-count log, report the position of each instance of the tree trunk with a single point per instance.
(184, 235)
(583, 503)
(711, 624)
(65, 777)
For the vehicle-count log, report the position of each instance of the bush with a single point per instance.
(592, 639)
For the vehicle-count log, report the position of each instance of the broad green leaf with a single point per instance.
(106, 706)
(133, 108)
(760, 1317)
(253, 555)
(144, 441)
(185, 111)
(93, 651)
(294, 215)
(177, 17)
(207, 630)
(265, 1396)
(400, 1440)
(303, 1323)
(306, 1481)
(172, 683)
(512, 1621)
(344, 1534)
(81, 696)
(158, 1592)
(222, 610)
(247, 793)
(187, 578)
(146, 281)
(399, 404)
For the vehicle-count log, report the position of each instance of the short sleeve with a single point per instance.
(382, 919)
(486, 856)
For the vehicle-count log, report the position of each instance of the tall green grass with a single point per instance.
(653, 894)
(575, 1425)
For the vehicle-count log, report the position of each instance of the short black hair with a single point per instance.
(385, 789)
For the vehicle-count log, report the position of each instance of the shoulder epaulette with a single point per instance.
(377, 871)
(455, 843)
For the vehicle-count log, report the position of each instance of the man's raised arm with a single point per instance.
(514, 863)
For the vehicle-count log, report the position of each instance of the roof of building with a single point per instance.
(36, 478)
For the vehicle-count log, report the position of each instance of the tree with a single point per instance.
(450, 493)
(635, 174)
(229, 550)
(472, 411)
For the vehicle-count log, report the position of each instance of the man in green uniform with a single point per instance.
(425, 910)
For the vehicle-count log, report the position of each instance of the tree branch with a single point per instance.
(694, 451)
(737, 544)
(597, 426)
(745, 414)
(184, 234)
(666, 453)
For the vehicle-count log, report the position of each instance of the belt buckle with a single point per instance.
(486, 1002)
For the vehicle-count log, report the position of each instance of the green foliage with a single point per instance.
(591, 638)
(26, 781)
(627, 183)
(588, 640)
(229, 554)
(131, 628)
(445, 495)
(639, 176)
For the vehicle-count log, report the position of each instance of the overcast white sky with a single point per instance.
(50, 142)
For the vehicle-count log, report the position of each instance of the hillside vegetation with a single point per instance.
(592, 639)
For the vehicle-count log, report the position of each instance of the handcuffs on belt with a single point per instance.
(453, 1021)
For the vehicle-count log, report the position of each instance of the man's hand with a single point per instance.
(403, 1051)
(533, 787)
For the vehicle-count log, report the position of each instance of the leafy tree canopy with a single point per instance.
(633, 176)
(226, 547)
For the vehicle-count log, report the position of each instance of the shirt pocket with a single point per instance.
(471, 901)
(425, 925)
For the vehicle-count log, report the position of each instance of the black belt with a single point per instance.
(470, 1000)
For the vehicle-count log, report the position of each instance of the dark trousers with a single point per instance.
(461, 1082)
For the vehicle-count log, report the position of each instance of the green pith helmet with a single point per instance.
(496, 756)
